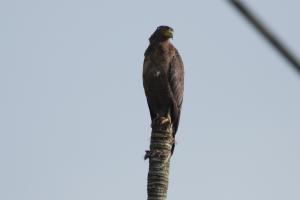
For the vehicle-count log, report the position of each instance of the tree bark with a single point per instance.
(159, 160)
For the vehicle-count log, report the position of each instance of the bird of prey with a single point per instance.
(163, 78)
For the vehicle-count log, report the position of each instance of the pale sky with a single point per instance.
(74, 123)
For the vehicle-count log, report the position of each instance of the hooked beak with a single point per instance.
(169, 33)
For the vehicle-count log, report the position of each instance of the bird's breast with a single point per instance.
(156, 73)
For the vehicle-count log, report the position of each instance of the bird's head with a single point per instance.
(162, 33)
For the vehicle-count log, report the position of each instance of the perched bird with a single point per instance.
(163, 78)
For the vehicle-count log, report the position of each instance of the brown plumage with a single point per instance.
(163, 77)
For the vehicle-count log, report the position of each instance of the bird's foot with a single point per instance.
(161, 123)
(164, 120)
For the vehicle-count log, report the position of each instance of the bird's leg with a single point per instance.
(161, 122)
(164, 120)
(154, 121)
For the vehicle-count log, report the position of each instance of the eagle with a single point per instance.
(163, 79)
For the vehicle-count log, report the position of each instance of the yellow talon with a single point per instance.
(164, 120)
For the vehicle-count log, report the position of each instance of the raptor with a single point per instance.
(163, 78)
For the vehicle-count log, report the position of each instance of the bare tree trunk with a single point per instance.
(159, 160)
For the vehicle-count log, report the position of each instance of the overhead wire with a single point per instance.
(268, 35)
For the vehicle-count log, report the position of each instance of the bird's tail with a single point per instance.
(173, 147)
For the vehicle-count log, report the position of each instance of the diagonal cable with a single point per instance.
(274, 41)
